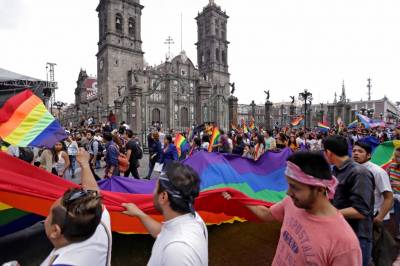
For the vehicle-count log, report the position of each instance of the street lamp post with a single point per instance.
(59, 105)
(305, 96)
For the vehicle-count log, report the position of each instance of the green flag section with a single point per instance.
(383, 154)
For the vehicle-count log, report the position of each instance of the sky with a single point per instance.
(283, 46)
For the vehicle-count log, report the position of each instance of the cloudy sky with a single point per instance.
(283, 46)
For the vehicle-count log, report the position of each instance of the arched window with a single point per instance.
(131, 27)
(155, 115)
(208, 56)
(217, 54)
(184, 117)
(223, 55)
(118, 22)
(201, 58)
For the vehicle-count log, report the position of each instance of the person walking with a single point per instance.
(134, 153)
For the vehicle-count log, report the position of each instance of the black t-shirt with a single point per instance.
(132, 145)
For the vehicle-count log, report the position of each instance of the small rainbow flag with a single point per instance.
(214, 138)
(25, 121)
(322, 127)
(244, 126)
(181, 144)
(251, 125)
(353, 124)
(296, 121)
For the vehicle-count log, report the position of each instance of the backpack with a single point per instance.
(26, 154)
(137, 150)
(100, 149)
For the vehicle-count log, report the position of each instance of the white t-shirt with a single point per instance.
(382, 184)
(93, 251)
(205, 145)
(182, 241)
(300, 142)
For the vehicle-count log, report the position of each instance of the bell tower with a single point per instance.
(212, 44)
(119, 46)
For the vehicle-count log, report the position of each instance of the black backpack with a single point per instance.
(100, 149)
(137, 150)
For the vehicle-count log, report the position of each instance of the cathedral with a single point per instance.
(176, 93)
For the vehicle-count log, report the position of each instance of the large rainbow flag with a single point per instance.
(249, 182)
(383, 154)
(25, 121)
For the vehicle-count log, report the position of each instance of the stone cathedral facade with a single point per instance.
(176, 93)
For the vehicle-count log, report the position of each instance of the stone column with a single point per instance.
(233, 111)
(202, 98)
(135, 96)
(117, 108)
(268, 106)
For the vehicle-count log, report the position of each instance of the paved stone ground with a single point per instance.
(143, 170)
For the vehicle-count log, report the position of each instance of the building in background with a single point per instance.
(176, 93)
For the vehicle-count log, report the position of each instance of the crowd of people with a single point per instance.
(331, 182)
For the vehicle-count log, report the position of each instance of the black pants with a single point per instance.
(133, 169)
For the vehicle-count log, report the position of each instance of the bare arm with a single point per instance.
(67, 162)
(263, 213)
(386, 206)
(88, 180)
(152, 226)
(351, 213)
(128, 155)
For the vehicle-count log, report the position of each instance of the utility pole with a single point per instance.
(369, 86)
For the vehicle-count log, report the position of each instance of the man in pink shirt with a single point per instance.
(313, 231)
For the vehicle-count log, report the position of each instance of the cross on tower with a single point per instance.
(168, 42)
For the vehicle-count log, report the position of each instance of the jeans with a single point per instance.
(72, 167)
(366, 250)
(396, 208)
(151, 166)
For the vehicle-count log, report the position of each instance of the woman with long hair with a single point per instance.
(61, 161)
(292, 144)
(259, 148)
(281, 141)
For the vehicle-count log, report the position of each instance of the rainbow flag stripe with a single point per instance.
(323, 127)
(353, 124)
(383, 154)
(214, 138)
(181, 144)
(25, 121)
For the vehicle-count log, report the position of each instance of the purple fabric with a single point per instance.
(127, 185)
(203, 159)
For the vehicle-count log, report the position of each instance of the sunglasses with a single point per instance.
(78, 194)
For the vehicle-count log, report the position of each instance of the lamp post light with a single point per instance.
(305, 96)
(59, 105)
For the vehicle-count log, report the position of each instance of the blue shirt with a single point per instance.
(112, 154)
